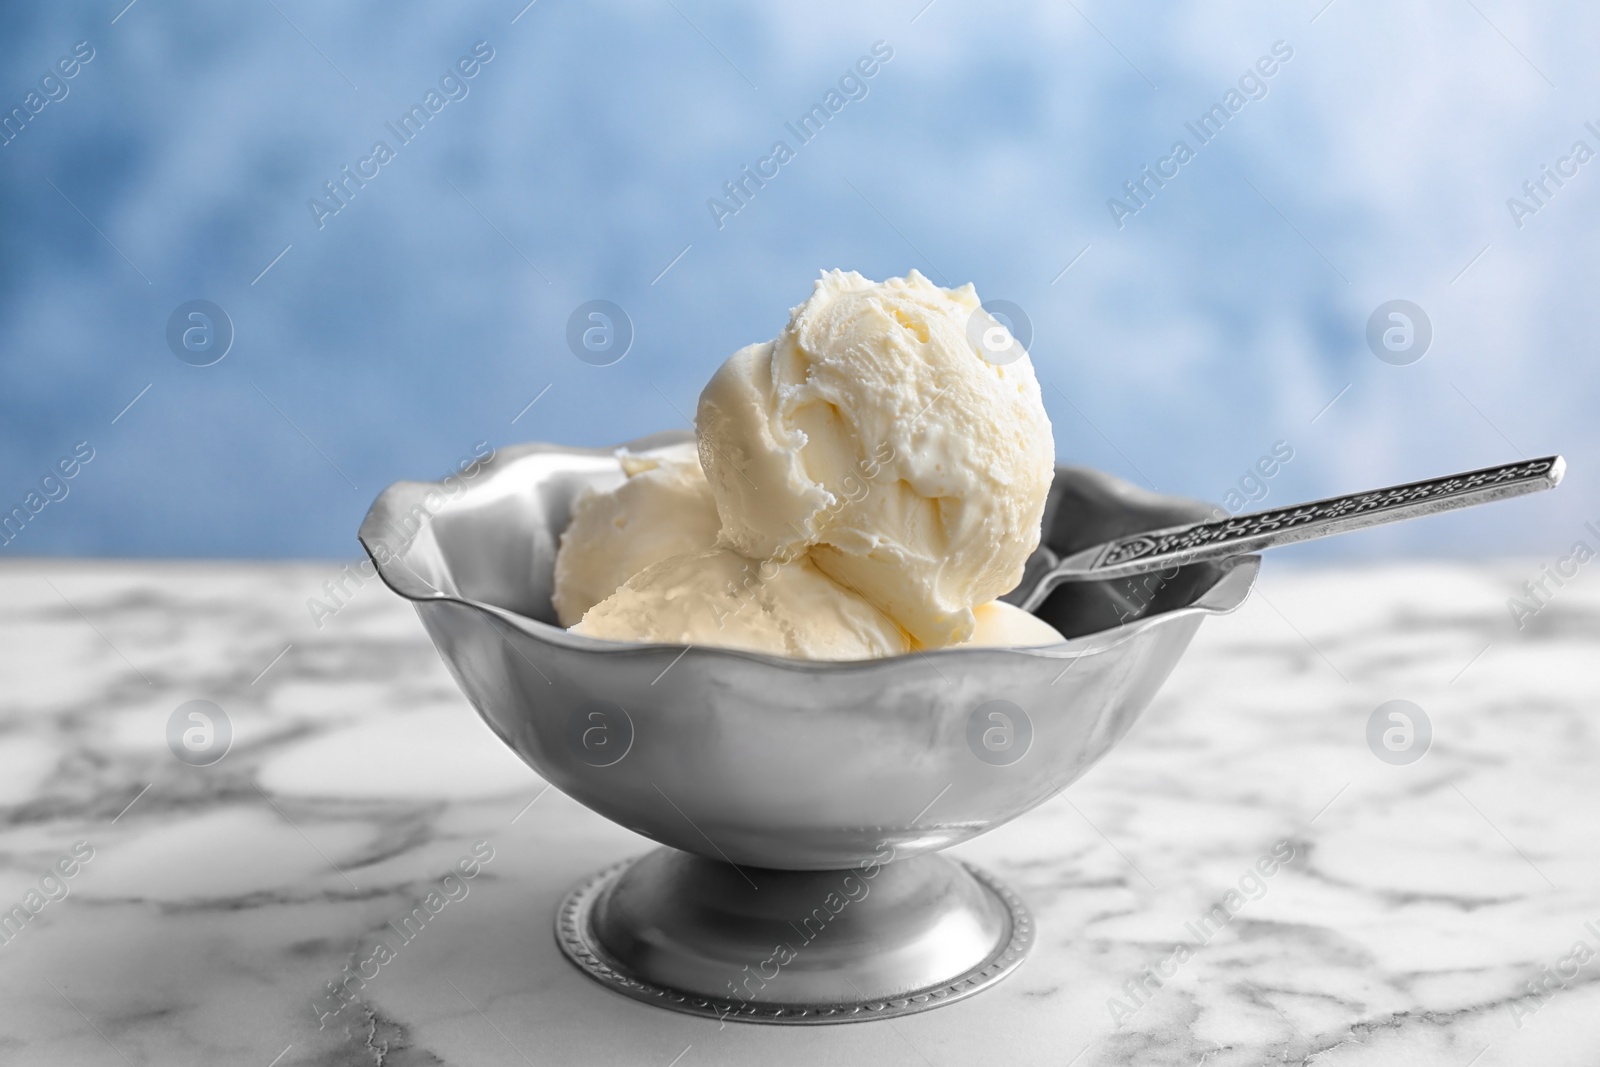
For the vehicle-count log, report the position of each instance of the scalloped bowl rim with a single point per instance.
(1224, 596)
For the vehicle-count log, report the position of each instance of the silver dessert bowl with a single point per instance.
(802, 803)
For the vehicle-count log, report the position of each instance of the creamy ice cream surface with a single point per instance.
(874, 437)
(719, 597)
(1002, 625)
(663, 508)
(866, 484)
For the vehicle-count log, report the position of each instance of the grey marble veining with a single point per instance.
(1421, 904)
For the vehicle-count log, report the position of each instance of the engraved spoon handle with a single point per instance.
(1238, 535)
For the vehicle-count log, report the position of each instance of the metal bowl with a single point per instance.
(776, 764)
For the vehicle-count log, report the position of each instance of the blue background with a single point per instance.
(422, 318)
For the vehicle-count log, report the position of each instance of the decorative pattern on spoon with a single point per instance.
(1241, 534)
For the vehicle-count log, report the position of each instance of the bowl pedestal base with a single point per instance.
(759, 945)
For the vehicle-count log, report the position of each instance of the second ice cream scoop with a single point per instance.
(663, 508)
(719, 597)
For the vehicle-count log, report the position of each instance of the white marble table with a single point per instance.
(220, 901)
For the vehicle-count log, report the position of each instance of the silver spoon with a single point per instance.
(1238, 535)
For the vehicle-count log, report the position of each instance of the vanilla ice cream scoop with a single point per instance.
(664, 508)
(874, 435)
(719, 597)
